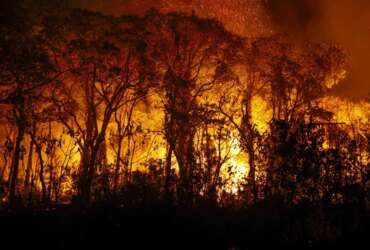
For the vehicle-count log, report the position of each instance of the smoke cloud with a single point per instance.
(345, 22)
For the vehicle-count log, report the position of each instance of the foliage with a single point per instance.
(139, 110)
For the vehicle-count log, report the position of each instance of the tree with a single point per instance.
(192, 56)
(236, 104)
(26, 70)
(109, 72)
(293, 78)
(297, 75)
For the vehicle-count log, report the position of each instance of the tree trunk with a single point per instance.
(184, 152)
(29, 166)
(21, 126)
(38, 148)
(5, 166)
(167, 181)
(118, 164)
(87, 150)
(84, 191)
(249, 138)
(180, 130)
(89, 168)
(51, 181)
(252, 173)
(41, 174)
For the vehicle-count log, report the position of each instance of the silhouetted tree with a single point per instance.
(297, 75)
(192, 55)
(109, 72)
(26, 69)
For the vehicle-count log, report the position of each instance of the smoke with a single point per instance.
(293, 16)
(117, 7)
(345, 22)
(244, 17)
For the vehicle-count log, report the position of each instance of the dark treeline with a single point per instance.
(178, 91)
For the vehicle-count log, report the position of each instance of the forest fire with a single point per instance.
(189, 105)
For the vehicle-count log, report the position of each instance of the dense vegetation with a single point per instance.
(102, 112)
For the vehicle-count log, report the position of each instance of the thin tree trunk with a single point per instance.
(29, 165)
(118, 163)
(168, 171)
(249, 138)
(51, 181)
(21, 125)
(252, 173)
(4, 167)
(41, 174)
(83, 181)
(31, 188)
(184, 152)
(41, 162)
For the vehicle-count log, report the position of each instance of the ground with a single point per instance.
(164, 227)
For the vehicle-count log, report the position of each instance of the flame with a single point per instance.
(261, 114)
(236, 168)
(347, 111)
(149, 114)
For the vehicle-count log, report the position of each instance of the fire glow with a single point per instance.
(172, 96)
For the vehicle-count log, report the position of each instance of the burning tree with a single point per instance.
(192, 56)
(109, 72)
(87, 81)
(27, 69)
